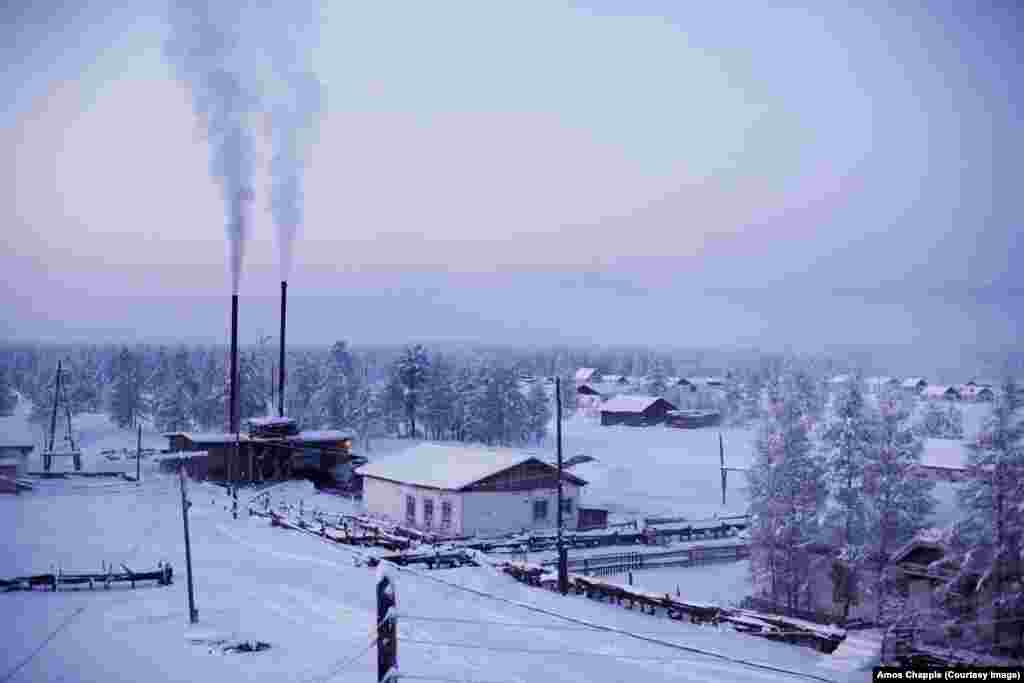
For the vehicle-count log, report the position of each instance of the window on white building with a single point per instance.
(567, 505)
(428, 512)
(540, 510)
(446, 514)
(410, 509)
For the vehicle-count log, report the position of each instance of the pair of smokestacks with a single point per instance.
(233, 411)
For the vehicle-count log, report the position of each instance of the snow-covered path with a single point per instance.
(312, 604)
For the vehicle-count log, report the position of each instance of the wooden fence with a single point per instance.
(618, 563)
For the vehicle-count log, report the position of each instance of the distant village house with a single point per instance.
(635, 411)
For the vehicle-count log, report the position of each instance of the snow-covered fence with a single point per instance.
(164, 576)
(617, 563)
(774, 627)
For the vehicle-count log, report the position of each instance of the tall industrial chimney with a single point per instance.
(280, 364)
(233, 382)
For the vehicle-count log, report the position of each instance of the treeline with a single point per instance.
(408, 392)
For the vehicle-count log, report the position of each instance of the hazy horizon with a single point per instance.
(540, 174)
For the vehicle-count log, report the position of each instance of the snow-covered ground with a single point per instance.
(724, 584)
(310, 602)
(315, 607)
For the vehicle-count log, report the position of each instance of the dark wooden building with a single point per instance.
(273, 449)
(635, 411)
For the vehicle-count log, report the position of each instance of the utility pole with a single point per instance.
(193, 613)
(721, 458)
(138, 458)
(563, 564)
(47, 459)
(387, 629)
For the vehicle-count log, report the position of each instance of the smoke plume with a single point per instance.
(203, 49)
(295, 96)
(293, 123)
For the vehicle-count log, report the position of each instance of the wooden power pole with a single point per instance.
(138, 458)
(563, 563)
(721, 459)
(193, 613)
(387, 629)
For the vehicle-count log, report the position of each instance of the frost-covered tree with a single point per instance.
(538, 413)
(125, 399)
(412, 372)
(941, 420)
(900, 501)
(336, 401)
(391, 401)
(991, 503)
(496, 413)
(788, 489)
(439, 399)
(174, 403)
(304, 383)
(657, 380)
(847, 441)
(252, 387)
(568, 397)
(209, 407)
(8, 399)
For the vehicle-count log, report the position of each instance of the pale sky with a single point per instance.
(615, 172)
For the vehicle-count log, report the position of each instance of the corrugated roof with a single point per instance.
(446, 467)
(629, 404)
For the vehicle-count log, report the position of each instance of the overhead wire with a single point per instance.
(555, 627)
(595, 627)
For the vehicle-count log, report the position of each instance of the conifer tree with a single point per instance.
(900, 501)
(787, 492)
(848, 441)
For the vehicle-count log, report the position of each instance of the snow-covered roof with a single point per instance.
(913, 382)
(447, 467)
(212, 437)
(321, 435)
(938, 391)
(841, 379)
(629, 404)
(270, 421)
(944, 453)
(705, 381)
(879, 381)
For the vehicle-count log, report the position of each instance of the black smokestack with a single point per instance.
(280, 364)
(233, 386)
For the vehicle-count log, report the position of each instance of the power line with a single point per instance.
(10, 674)
(335, 670)
(527, 651)
(596, 627)
(554, 627)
